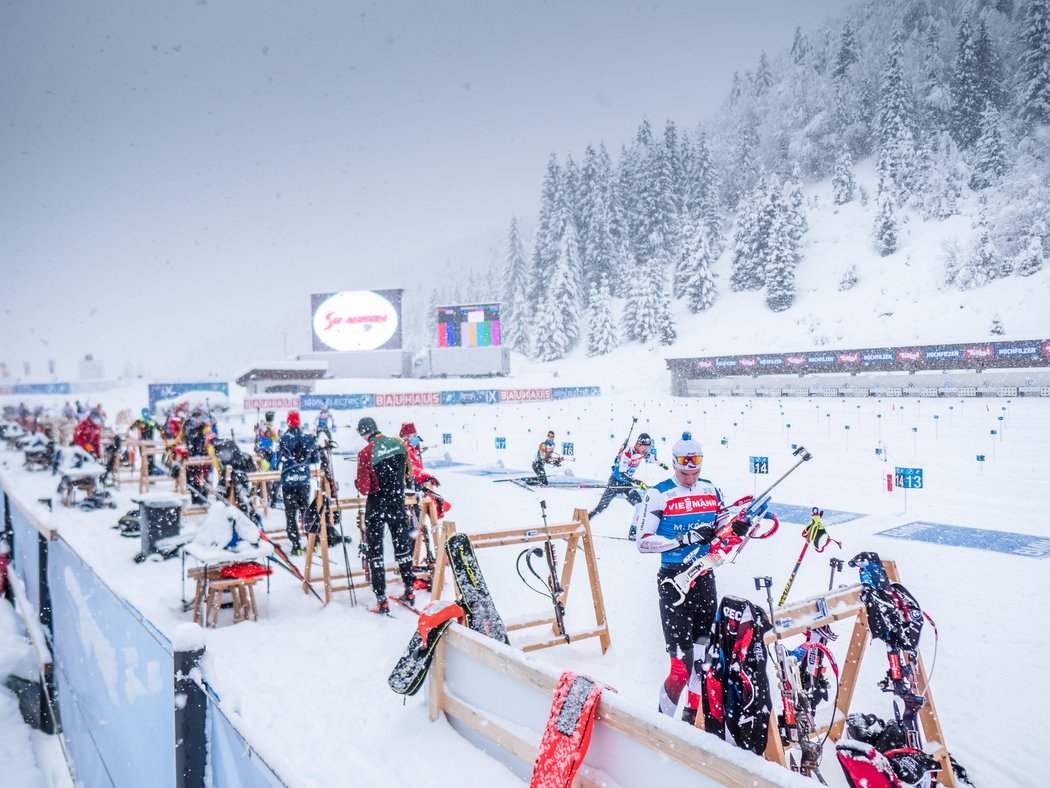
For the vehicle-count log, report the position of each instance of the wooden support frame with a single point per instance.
(319, 540)
(146, 450)
(611, 712)
(576, 533)
(842, 605)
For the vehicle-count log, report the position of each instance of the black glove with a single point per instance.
(741, 526)
(701, 535)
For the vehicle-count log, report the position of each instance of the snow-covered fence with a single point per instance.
(113, 677)
(499, 699)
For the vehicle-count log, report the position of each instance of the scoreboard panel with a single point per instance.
(470, 325)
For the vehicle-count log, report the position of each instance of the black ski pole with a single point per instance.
(554, 582)
(836, 566)
(333, 500)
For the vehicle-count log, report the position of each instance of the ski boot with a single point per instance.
(382, 608)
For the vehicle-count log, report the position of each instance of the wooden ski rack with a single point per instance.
(577, 534)
(428, 516)
(842, 605)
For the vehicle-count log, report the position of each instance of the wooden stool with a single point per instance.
(215, 590)
(247, 591)
(198, 597)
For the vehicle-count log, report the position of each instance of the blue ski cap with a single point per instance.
(687, 453)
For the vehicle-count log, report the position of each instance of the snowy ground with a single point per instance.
(309, 682)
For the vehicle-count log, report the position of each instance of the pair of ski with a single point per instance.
(475, 608)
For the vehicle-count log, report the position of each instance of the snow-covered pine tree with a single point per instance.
(842, 184)
(849, 279)
(637, 189)
(795, 206)
(621, 273)
(982, 264)
(703, 192)
(989, 68)
(893, 127)
(695, 281)
(989, 154)
(1033, 83)
(592, 208)
(743, 172)
(885, 230)
(516, 315)
(746, 273)
(648, 304)
(942, 179)
(781, 258)
(847, 55)
(799, 47)
(763, 76)
(967, 98)
(1033, 257)
(602, 336)
(933, 97)
(544, 248)
(559, 330)
(430, 321)
(667, 333)
(665, 208)
(572, 193)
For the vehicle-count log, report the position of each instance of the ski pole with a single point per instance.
(836, 566)
(794, 572)
(763, 499)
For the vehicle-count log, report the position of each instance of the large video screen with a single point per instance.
(472, 325)
(357, 320)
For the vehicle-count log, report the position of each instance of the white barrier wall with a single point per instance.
(499, 699)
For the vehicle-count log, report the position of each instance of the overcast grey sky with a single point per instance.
(179, 175)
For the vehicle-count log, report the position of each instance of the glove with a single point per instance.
(701, 535)
(556, 463)
(665, 466)
(741, 526)
(640, 484)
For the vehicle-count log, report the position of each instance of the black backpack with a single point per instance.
(894, 615)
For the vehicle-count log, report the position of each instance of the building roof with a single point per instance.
(284, 370)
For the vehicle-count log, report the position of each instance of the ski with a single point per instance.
(795, 722)
(476, 600)
(404, 603)
(411, 669)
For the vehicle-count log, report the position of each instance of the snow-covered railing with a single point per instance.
(499, 699)
(114, 678)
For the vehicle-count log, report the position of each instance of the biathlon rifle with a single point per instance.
(725, 541)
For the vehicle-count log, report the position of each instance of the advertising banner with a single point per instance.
(271, 403)
(524, 395)
(356, 320)
(159, 391)
(336, 401)
(572, 392)
(41, 388)
(418, 399)
(478, 397)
